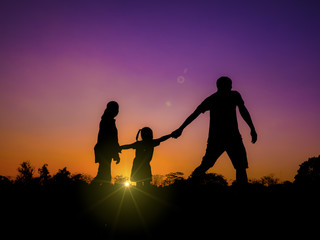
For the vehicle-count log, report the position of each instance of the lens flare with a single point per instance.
(180, 79)
(127, 184)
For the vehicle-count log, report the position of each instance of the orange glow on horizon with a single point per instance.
(59, 68)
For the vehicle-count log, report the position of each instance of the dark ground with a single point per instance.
(82, 211)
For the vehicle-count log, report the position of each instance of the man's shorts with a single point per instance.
(234, 148)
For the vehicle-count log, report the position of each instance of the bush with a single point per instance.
(309, 172)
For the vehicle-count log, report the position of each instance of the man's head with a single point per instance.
(224, 84)
(112, 109)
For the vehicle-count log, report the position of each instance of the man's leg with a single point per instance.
(202, 168)
(238, 156)
(213, 152)
(241, 176)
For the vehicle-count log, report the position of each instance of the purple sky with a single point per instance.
(61, 61)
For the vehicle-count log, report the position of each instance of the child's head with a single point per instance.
(146, 133)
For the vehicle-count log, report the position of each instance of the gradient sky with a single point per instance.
(62, 61)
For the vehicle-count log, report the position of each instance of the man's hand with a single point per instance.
(177, 133)
(253, 136)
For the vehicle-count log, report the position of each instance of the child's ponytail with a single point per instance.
(138, 134)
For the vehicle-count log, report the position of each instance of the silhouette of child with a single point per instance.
(107, 147)
(141, 169)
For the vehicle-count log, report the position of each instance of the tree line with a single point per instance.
(307, 174)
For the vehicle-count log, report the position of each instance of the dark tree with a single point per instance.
(215, 179)
(309, 172)
(157, 180)
(269, 180)
(4, 181)
(81, 178)
(62, 176)
(44, 174)
(119, 179)
(172, 178)
(25, 175)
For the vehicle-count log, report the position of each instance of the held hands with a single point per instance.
(177, 133)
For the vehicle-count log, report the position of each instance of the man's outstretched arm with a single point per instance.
(247, 118)
(177, 133)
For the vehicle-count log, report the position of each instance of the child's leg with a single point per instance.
(146, 184)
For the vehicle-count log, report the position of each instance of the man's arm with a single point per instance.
(177, 133)
(247, 118)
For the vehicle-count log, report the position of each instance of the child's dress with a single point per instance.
(141, 169)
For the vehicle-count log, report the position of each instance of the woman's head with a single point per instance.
(146, 133)
(112, 109)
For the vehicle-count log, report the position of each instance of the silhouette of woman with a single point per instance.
(141, 169)
(107, 147)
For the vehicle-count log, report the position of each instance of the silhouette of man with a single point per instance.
(224, 134)
(107, 147)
